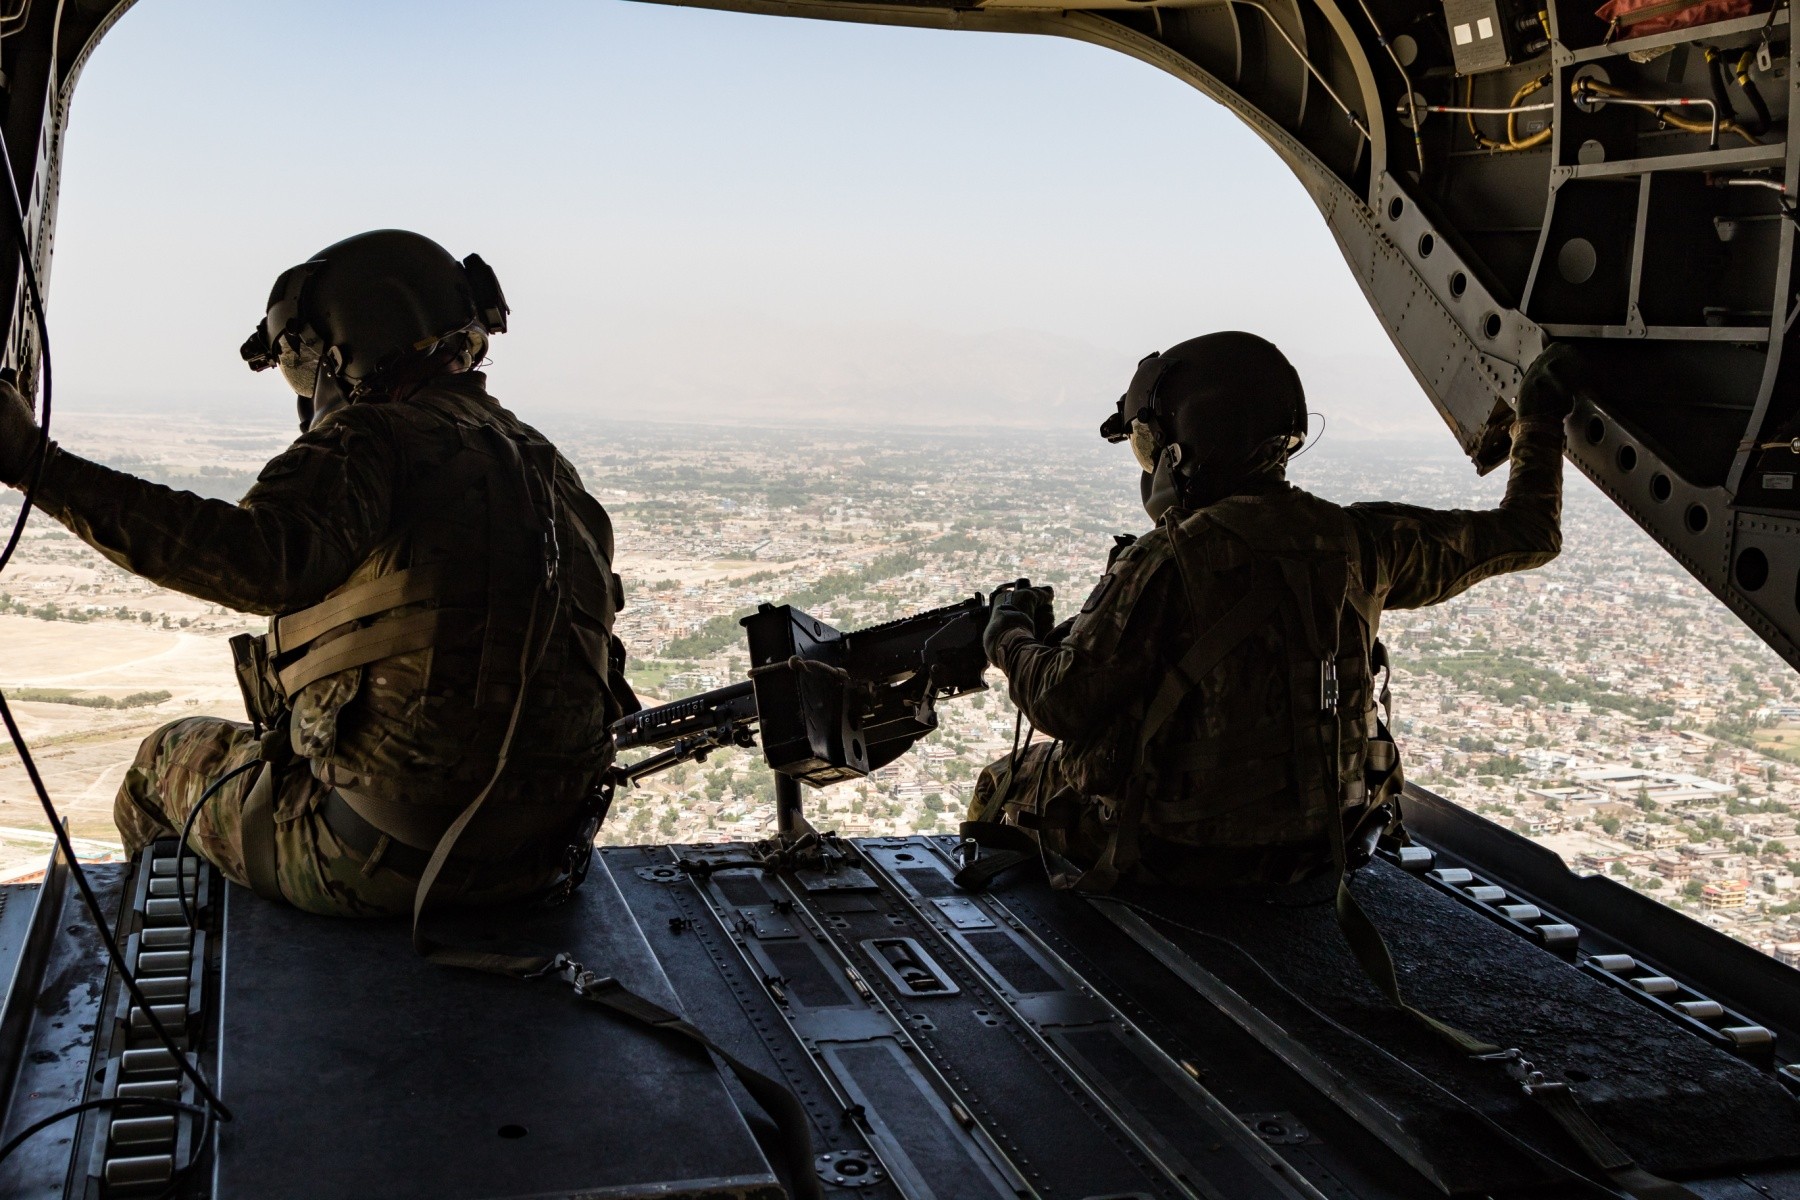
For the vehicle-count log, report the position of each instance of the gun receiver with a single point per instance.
(830, 705)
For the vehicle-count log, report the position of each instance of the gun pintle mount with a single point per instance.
(830, 705)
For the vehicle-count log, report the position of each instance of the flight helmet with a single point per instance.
(1207, 417)
(373, 312)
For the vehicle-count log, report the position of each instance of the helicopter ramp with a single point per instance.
(1016, 1042)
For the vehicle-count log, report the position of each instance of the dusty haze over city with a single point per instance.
(1604, 705)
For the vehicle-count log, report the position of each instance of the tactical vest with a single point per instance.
(1258, 748)
(400, 683)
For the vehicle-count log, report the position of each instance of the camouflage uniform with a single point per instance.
(374, 491)
(316, 871)
(1231, 811)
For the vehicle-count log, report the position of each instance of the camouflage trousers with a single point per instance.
(1034, 793)
(316, 871)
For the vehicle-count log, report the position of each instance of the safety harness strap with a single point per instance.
(1371, 953)
(384, 639)
(1557, 1100)
(258, 823)
(1365, 940)
(367, 599)
(1327, 583)
(780, 1103)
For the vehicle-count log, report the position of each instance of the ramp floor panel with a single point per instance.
(945, 1046)
(959, 1103)
(357, 1069)
(1675, 1102)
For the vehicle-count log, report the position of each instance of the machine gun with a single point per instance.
(828, 705)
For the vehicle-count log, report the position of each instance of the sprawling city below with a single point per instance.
(1605, 706)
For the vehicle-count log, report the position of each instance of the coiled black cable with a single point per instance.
(92, 903)
(187, 829)
(214, 1107)
(176, 1178)
(35, 298)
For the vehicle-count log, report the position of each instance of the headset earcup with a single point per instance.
(1163, 490)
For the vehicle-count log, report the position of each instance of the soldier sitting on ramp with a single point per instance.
(1215, 704)
(443, 598)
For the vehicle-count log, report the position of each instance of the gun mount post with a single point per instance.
(825, 705)
(790, 821)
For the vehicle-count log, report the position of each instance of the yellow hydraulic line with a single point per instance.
(1513, 140)
(1481, 139)
(1660, 109)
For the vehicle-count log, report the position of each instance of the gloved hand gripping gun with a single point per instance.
(828, 705)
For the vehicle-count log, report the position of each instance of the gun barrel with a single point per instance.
(683, 718)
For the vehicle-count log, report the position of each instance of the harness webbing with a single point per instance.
(1557, 1100)
(383, 639)
(1241, 620)
(367, 599)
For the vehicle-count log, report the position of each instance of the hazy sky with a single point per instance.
(681, 201)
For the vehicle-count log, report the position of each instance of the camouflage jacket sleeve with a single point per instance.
(1077, 688)
(316, 511)
(1422, 556)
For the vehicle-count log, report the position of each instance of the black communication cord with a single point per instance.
(36, 298)
(187, 828)
(92, 903)
(1012, 759)
(61, 1114)
(1310, 440)
(215, 1108)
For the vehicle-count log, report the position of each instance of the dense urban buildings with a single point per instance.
(1605, 706)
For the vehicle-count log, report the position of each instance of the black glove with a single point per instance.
(18, 434)
(1027, 608)
(1548, 393)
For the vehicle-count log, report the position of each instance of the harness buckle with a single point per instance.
(563, 968)
(1328, 686)
(552, 556)
(1522, 1070)
(968, 853)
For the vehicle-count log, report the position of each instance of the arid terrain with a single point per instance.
(1604, 706)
